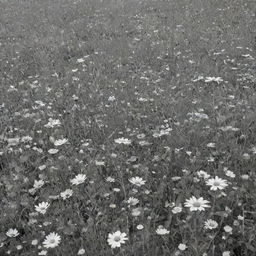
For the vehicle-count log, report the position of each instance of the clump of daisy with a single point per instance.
(79, 179)
(196, 204)
(52, 240)
(137, 181)
(42, 207)
(12, 232)
(116, 239)
(210, 224)
(162, 231)
(216, 183)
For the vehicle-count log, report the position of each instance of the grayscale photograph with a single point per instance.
(128, 127)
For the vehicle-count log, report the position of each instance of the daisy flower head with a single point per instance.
(81, 251)
(228, 229)
(43, 252)
(182, 247)
(12, 232)
(176, 209)
(34, 242)
(42, 207)
(137, 181)
(66, 194)
(110, 179)
(38, 184)
(140, 227)
(60, 142)
(53, 151)
(203, 174)
(210, 224)
(116, 239)
(136, 212)
(132, 201)
(217, 183)
(196, 204)
(124, 141)
(162, 231)
(230, 174)
(19, 247)
(52, 240)
(79, 179)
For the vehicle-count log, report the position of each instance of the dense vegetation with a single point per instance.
(128, 127)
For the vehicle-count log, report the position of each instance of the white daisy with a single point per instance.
(81, 251)
(38, 184)
(34, 242)
(110, 179)
(228, 229)
(140, 227)
(42, 207)
(116, 239)
(162, 231)
(132, 201)
(182, 247)
(79, 179)
(210, 224)
(42, 253)
(203, 174)
(12, 232)
(211, 145)
(19, 247)
(196, 204)
(53, 151)
(122, 140)
(52, 240)
(60, 142)
(66, 194)
(137, 181)
(176, 210)
(111, 98)
(136, 212)
(230, 174)
(216, 183)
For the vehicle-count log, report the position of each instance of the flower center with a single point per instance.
(196, 204)
(52, 241)
(216, 183)
(117, 239)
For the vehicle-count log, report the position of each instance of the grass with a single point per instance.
(176, 79)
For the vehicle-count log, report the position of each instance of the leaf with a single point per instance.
(2, 237)
(250, 247)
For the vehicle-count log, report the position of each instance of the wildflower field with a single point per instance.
(128, 127)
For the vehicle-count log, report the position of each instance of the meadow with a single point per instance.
(128, 127)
